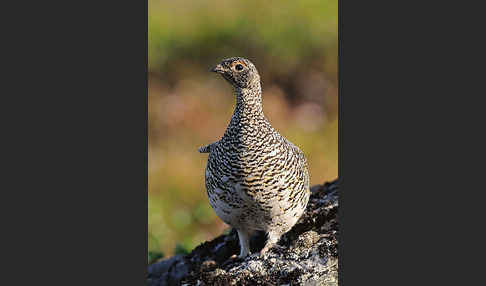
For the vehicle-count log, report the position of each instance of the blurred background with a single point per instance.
(293, 44)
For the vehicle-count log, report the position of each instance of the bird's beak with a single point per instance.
(218, 69)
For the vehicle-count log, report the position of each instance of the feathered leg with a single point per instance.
(244, 237)
(272, 240)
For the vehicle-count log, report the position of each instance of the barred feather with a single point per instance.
(255, 178)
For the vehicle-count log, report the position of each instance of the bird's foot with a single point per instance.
(233, 259)
(267, 247)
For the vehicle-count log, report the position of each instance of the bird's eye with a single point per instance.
(239, 67)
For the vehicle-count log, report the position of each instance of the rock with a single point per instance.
(169, 271)
(306, 255)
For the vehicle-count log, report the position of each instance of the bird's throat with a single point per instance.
(249, 101)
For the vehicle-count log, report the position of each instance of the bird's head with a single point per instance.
(240, 72)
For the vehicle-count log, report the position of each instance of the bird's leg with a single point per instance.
(207, 148)
(272, 240)
(244, 237)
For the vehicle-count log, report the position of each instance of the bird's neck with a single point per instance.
(249, 100)
(248, 117)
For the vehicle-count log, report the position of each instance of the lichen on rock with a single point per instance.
(306, 255)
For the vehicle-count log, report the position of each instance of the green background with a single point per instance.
(294, 46)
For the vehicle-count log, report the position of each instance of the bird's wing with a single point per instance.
(207, 148)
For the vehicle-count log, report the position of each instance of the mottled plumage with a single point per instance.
(255, 178)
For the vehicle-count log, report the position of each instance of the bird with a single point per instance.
(256, 179)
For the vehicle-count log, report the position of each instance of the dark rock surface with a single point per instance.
(306, 255)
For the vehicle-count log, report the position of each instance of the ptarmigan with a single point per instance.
(255, 178)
